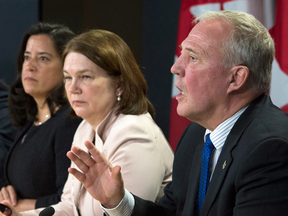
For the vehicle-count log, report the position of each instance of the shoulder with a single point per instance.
(259, 135)
(269, 122)
(135, 120)
(134, 131)
(135, 124)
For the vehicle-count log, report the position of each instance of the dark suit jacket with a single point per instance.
(251, 175)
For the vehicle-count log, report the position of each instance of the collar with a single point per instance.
(219, 135)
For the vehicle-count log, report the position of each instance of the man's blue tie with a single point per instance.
(205, 174)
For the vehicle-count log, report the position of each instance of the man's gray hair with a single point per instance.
(250, 44)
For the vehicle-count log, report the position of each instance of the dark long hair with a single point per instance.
(22, 107)
(111, 53)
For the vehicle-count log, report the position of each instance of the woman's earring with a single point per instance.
(119, 98)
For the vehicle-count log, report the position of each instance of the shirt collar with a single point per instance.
(219, 135)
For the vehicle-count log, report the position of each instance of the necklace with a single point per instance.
(47, 116)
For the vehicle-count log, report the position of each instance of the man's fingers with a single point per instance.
(80, 176)
(117, 177)
(98, 157)
(78, 162)
(84, 156)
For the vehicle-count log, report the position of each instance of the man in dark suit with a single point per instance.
(237, 143)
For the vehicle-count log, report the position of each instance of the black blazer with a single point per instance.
(36, 164)
(251, 175)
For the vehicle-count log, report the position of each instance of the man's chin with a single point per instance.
(180, 112)
(184, 114)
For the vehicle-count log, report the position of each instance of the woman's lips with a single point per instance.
(76, 102)
(30, 79)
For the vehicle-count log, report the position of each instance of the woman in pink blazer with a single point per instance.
(106, 88)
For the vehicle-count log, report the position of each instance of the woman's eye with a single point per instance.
(86, 77)
(26, 57)
(67, 79)
(43, 58)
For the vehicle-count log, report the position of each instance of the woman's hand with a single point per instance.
(101, 180)
(25, 204)
(8, 193)
(14, 212)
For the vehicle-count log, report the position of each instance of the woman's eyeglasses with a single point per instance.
(4, 208)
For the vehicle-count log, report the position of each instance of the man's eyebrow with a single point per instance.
(188, 49)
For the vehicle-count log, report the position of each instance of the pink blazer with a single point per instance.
(133, 142)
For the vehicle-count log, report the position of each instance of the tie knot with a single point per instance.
(208, 143)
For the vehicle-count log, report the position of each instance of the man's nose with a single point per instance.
(177, 67)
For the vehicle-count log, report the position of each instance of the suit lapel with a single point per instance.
(192, 193)
(193, 137)
(225, 159)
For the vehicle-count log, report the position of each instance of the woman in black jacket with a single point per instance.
(36, 166)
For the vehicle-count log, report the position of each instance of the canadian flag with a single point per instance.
(271, 13)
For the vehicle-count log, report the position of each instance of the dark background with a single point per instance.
(149, 27)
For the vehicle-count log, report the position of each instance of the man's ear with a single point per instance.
(239, 76)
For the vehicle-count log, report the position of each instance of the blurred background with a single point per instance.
(153, 29)
(149, 27)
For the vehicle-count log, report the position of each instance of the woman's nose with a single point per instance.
(73, 86)
(30, 65)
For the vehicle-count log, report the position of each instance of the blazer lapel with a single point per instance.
(192, 192)
(17, 139)
(225, 159)
(22, 133)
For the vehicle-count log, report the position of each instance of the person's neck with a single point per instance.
(43, 113)
(230, 108)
